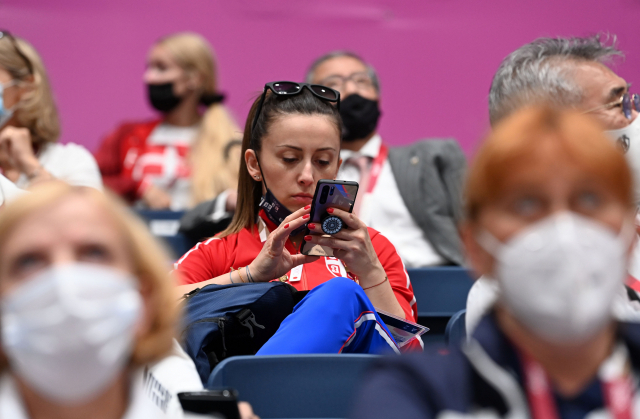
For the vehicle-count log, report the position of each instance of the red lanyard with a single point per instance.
(376, 167)
(616, 385)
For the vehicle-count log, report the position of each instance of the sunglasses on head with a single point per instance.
(12, 39)
(290, 88)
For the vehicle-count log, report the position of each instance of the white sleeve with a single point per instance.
(175, 373)
(8, 190)
(73, 164)
(482, 296)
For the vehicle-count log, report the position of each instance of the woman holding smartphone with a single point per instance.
(292, 140)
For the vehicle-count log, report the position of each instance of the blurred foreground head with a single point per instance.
(550, 211)
(84, 293)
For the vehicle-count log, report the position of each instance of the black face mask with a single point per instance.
(162, 98)
(277, 212)
(359, 117)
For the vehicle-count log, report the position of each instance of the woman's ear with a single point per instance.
(194, 80)
(338, 169)
(146, 318)
(253, 166)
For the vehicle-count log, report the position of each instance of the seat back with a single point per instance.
(440, 291)
(164, 224)
(294, 386)
(456, 331)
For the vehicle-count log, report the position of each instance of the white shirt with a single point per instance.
(153, 395)
(170, 159)
(71, 163)
(385, 210)
(8, 190)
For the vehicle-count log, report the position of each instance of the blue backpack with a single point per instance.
(236, 319)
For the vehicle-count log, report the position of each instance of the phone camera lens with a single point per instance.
(324, 194)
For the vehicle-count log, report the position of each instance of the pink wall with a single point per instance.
(435, 57)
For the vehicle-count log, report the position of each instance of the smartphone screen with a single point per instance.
(329, 194)
(221, 402)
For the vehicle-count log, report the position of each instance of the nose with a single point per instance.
(149, 76)
(306, 175)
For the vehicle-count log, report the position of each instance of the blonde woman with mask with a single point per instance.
(87, 312)
(172, 162)
(29, 124)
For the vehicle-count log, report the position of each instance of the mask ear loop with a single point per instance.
(489, 242)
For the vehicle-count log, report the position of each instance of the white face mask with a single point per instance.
(69, 330)
(559, 277)
(628, 138)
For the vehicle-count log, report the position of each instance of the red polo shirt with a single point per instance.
(217, 256)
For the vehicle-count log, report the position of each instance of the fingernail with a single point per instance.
(307, 207)
(307, 238)
(286, 225)
(311, 226)
(305, 216)
(330, 210)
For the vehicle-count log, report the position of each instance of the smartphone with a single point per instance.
(223, 402)
(329, 194)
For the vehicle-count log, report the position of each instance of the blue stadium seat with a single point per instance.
(294, 386)
(456, 332)
(440, 291)
(164, 224)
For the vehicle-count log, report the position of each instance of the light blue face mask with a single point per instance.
(5, 114)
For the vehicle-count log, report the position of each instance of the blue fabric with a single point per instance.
(326, 321)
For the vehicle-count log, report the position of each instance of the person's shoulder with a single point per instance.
(131, 124)
(66, 150)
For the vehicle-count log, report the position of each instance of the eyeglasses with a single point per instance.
(361, 80)
(12, 39)
(628, 103)
(290, 88)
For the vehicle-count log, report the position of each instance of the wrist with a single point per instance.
(31, 167)
(256, 275)
(372, 276)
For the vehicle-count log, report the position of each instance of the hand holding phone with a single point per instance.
(338, 194)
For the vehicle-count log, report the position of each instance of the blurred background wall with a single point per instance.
(435, 58)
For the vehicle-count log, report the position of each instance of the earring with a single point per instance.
(257, 177)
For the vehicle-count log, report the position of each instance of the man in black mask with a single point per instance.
(411, 194)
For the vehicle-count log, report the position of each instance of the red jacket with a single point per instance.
(217, 256)
(118, 153)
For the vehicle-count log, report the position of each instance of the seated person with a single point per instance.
(412, 195)
(29, 125)
(290, 142)
(175, 161)
(550, 209)
(537, 73)
(87, 312)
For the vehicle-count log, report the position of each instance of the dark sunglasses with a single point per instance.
(290, 88)
(27, 61)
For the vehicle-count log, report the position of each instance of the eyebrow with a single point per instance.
(300, 149)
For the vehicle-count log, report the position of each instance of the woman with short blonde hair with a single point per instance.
(86, 311)
(29, 124)
(177, 160)
(550, 212)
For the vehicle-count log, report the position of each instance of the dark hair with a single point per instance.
(274, 107)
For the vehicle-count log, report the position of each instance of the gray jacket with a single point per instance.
(429, 175)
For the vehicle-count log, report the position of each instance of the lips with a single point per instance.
(302, 198)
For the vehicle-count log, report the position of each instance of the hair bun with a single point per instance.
(209, 100)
